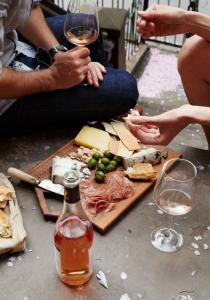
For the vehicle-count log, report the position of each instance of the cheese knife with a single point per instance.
(45, 184)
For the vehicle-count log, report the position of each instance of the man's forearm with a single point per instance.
(198, 24)
(36, 30)
(18, 84)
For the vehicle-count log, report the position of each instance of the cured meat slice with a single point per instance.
(102, 197)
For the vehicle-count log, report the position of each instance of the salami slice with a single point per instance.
(101, 197)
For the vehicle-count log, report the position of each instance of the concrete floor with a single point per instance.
(134, 248)
(161, 90)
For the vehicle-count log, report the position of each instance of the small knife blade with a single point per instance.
(45, 184)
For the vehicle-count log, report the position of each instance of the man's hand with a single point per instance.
(95, 73)
(160, 129)
(161, 20)
(70, 68)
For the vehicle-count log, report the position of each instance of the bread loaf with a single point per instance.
(5, 226)
(5, 195)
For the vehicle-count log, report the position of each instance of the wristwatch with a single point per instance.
(56, 49)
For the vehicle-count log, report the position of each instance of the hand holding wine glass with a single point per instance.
(174, 194)
(81, 28)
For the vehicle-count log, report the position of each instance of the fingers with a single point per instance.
(150, 13)
(146, 28)
(89, 78)
(145, 137)
(75, 58)
(132, 127)
(98, 72)
(147, 129)
(150, 129)
(142, 120)
(80, 51)
(95, 73)
(101, 67)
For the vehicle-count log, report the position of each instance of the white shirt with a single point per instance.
(13, 14)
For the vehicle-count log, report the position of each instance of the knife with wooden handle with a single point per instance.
(46, 184)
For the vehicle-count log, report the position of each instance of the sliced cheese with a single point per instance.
(116, 147)
(113, 146)
(93, 138)
(123, 151)
(126, 136)
(108, 127)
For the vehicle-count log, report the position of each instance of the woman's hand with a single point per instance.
(95, 73)
(160, 129)
(161, 20)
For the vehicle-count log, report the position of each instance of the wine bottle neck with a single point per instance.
(75, 208)
(72, 195)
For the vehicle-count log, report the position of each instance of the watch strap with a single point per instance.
(56, 49)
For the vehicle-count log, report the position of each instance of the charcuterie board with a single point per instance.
(104, 220)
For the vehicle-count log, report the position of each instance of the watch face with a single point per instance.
(61, 48)
(56, 49)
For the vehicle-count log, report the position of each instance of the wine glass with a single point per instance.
(81, 25)
(174, 194)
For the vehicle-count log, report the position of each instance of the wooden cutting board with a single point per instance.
(103, 221)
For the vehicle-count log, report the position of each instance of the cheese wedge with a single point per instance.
(91, 137)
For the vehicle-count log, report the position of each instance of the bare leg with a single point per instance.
(194, 69)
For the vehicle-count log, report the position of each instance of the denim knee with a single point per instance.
(123, 86)
(131, 89)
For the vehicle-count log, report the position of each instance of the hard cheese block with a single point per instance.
(93, 138)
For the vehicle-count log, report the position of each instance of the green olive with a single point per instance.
(92, 163)
(96, 156)
(114, 163)
(101, 167)
(118, 159)
(110, 168)
(108, 154)
(105, 161)
(99, 176)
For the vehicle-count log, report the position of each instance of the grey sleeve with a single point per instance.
(3, 14)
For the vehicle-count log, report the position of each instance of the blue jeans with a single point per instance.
(116, 95)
